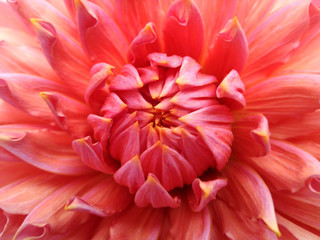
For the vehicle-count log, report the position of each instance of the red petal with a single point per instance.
(112, 106)
(153, 193)
(130, 175)
(251, 135)
(137, 223)
(92, 155)
(144, 43)
(231, 90)
(231, 41)
(101, 128)
(104, 199)
(204, 192)
(183, 30)
(100, 35)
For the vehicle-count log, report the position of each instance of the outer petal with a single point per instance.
(100, 35)
(285, 96)
(65, 57)
(104, 199)
(286, 167)
(186, 224)
(32, 145)
(280, 34)
(253, 197)
(231, 41)
(183, 30)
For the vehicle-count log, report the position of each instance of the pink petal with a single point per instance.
(102, 230)
(231, 90)
(183, 30)
(134, 15)
(186, 224)
(161, 59)
(280, 34)
(96, 91)
(42, 9)
(70, 114)
(24, 59)
(237, 226)
(231, 41)
(101, 128)
(64, 56)
(104, 199)
(31, 145)
(284, 96)
(92, 155)
(112, 106)
(22, 92)
(9, 224)
(286, 167)
(218, 141)
(22, 196)
(144, 43)
(100, 35)
(153, 193)
(252, 195)
(137, 223)
(204, 192)
(251, 135)
(130, 175)
(125, 145)
(134, 100)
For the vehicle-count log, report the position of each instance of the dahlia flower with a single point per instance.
(160, 119)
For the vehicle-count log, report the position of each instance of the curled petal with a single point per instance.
(96, 92)
(251, 135)
(130, 175)
(286, 167)
(92, 155)
(128, 79)
(101, 128)
(183, 30)
(253, 196)
(231, 91)
(153, 193)
(100, 35)
(231, 41)
(65, 57)
(144, 43)
(188, 73)
(161, 59)
(104, 199)
(204, 192)
(112, 106)
(70, 114)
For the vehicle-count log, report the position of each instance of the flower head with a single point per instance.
(157, 119)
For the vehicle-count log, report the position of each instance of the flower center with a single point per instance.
(167, 120)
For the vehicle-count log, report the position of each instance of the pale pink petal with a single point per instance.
(92, 155)
(284, 96)
(183, 30)
(17, 38)
(274, 40)
(100, 35)
(32, 146)
(65, 57)
(104, 199)
(186, 224)
(137, 223)
(286, 167)
(251, 135)
(230, 41)
(247, 192)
